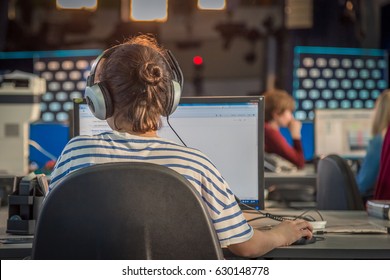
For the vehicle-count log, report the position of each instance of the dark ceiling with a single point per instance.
(16, 32)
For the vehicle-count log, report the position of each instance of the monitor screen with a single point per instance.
(227, 129)
(342, 132)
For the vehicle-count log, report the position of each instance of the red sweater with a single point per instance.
(382, 190)
(275, 143)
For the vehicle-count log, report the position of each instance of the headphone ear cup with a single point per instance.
(99, 101)
(175, 97)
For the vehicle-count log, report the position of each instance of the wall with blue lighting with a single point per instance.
(334, 78)
(51, 137)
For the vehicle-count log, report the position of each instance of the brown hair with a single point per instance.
(137, 78)
(382, 113)
(277, 101)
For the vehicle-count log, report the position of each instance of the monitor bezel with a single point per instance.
(212, 99)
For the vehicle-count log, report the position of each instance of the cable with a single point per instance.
(265, 214)
(280, 218)
(175, 132)
(318, 212)
(257, 218)
(42, 150)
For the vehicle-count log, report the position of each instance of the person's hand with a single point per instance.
(291, 231)
(295, 129)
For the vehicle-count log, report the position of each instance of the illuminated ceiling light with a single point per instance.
(211, 4)
(149, 10)
(77, 4)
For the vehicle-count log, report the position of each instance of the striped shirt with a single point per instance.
(83, 151)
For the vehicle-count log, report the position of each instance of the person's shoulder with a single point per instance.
(196, 154)
(85, 139)
(268, 126)
(190, 152)
(270, 131)
(194, 151)
(91, 137)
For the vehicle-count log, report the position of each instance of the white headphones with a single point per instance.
(99, 98)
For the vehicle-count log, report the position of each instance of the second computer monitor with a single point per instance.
(343, 132)
(229, 130)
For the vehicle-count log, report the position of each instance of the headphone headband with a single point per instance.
(174, 65)
(104, 54)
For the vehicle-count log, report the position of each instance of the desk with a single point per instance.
(335, 246)
(298, 186)
(306, 176)
(15, 251)
(11, 251)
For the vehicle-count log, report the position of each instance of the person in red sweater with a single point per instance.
(279, 107)
(382, 189)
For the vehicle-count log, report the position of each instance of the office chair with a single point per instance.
(125, 211)
(336, 185)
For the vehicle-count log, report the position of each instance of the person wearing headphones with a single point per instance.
(279, 107)
(132, 85)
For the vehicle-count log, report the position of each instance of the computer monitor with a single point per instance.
(342, 132)
(229, 130)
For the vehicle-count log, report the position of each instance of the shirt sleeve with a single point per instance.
(231, 225)
(227, 217)
(368, 173)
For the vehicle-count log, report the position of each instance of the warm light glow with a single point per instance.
(149, 10)
(77, 4)
(211, 4)
(349, 5)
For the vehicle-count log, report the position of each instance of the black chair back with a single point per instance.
(336, 185)
(125, 211)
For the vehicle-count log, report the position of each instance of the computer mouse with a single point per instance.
(304, 241)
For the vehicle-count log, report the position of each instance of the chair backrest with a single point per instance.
(125, 211)
(336, 185)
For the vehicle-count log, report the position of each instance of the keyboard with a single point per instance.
(16, 240)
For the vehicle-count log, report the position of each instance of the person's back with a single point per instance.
(279, 106)
(83, 151)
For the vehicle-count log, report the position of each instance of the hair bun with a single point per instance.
(151, 73)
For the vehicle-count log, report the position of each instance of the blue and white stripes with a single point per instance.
(227, 217)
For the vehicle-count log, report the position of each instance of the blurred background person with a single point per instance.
(279, 107)
(368, 173)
